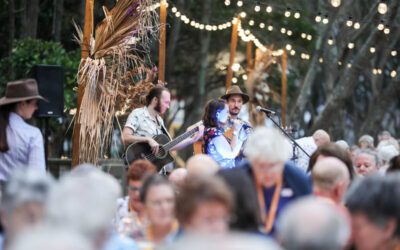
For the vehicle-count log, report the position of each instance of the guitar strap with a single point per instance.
(165, 131)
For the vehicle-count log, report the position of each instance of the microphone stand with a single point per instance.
(295, 144)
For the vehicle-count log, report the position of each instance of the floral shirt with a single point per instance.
(143, 124)
(308, 144)
(210, 149)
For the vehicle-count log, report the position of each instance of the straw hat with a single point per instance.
(235, 90)
(21, 90)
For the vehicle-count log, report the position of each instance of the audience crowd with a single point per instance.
(341, 197)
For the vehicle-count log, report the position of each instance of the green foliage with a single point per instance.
(27, 53)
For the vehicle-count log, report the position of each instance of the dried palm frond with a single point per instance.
(257, 87)
(108, 74)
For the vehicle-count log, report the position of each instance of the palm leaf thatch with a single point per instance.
(257, 87)
(116, 60)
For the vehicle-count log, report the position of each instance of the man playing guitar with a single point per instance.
(146, 122)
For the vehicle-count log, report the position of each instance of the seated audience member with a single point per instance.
(385, 139)
(366, 162)
(231, 241)
(278, 182)
(366, 141)
(84, 201)
(204, 206)
(343, 144)
(246, 214)
(310, 144)
(22, 201)
(394, 165)
(331, 179)
(386, 153)
(201, 164)
(374, 204)
(178, 177)
(47, 238)
(158, 197)
(309, 224)
(131, 202)
(332, 150)
(216, 145)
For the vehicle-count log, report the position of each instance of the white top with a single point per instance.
(26, 148)
(308, 144)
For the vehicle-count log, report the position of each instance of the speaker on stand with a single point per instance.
(50, 79)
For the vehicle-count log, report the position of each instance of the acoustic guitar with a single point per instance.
(142, 150)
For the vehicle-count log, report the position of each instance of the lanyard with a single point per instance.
(273, 208)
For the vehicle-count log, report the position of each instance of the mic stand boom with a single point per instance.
(287, 135)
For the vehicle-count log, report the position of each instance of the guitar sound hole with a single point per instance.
(161, 152)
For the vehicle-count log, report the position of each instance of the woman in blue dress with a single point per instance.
(216, 144)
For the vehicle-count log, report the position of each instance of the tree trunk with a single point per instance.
(58, 13)
(24, 20)
(171, 44)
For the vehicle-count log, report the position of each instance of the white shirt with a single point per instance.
(308, 144)
(143, 124)
(26, 148)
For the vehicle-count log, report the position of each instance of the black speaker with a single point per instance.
(50, 79)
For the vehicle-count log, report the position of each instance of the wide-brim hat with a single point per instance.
(21, 90)
(235, 90)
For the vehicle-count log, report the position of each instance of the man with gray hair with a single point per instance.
(366, 162)
(309, 224)
(278, 182)
(22, 201)
(310, 144)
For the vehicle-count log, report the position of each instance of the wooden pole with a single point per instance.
(284, 82)
(163, 21)
(249, 55)
(87, 31)
(232, 53)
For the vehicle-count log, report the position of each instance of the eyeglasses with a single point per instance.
(133, 188)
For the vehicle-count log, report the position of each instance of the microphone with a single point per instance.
(267, 111)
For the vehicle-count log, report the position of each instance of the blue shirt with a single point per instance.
(26, 148)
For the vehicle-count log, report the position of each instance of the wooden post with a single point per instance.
(87, 31)
(232, 53)
(284, 82)
(163, 21)
(249, 55)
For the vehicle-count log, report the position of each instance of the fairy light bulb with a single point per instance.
(372, 49)
(270, 28)
(309, 37)
(393, 74)
(330, 41)
(289, 32)
(382, 8)
(349, 22)
(318, 18)
(234, 80)
(293, 52)
(288, 47)
(251, 22)
(244, 77)
(321, 60)
(297, 15)
(374, 71)
(350, 45)
(268, 9)
(239, 3)
(227, 2)
(287, 12)
(174, 9)
(304, 35)
(283, 30)
(357, 25)
(381, 26)
(386, 30)
(262, 25)
(243, 14)
(257, 8)
(335, 3)
(394, 53)
(325, 20)
(178, 14)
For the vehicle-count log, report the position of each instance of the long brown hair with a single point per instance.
(4, 121)
(210, 112)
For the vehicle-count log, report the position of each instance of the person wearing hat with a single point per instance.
(21, 145)
(235, 99)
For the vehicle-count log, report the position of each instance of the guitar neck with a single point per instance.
(180, 138)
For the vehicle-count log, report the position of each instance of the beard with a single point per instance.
(158, 106)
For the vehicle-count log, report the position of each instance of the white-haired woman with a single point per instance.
(277, 180)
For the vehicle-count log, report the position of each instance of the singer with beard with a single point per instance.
(235, 99)
(146, 122)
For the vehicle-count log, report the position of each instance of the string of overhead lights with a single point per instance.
(246, 35)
